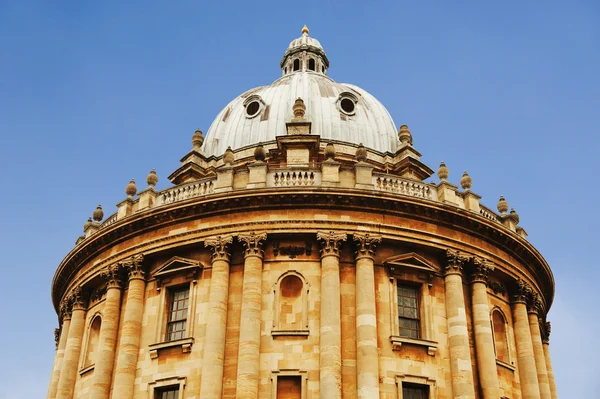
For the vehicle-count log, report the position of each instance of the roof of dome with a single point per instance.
(338, 111)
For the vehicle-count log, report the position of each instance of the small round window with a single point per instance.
(347, 105)
(252, 108)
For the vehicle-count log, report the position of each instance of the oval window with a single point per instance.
(347, 105)
(252, 108)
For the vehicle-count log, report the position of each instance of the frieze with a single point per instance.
(139, 223)
(292, 251)
(496, 287)
(98, 293)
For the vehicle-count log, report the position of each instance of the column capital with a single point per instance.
(253, 243)
(521, 292)
(482, 269)
(65, 309)
(112, 276)
(220, 247)
(455, 262)
(77, 299)
(546, 329)
(134, 267)
(534, 305)
(56, 337)
(366, 243)
(331, 242)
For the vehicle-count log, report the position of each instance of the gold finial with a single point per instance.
(305, 30)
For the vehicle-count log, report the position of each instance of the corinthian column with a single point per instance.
(65, 314)
(538, 349)
(129, 345)
(66, 383)
(330, 341)
(530, 388)
(108, 335)
(461, 368)
(249, 346)
(367, 358)
(484, 341)
(216, 323)
(546, 344)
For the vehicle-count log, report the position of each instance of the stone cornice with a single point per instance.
(279, 198)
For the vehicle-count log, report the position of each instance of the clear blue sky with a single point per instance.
(95, 93)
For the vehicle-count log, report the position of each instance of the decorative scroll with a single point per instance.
(292, 251)
(220, 247)
(331, 242)
(253, 243)
(366, 244)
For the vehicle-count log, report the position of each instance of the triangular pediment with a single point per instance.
(410, 260)
(178, 264)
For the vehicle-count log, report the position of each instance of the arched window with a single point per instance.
(291, 302)
(311, 64)
(296, 65)
(92, 342)
(500, 336)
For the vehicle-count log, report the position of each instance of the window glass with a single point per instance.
(410, 391)
(178, 310)
(167, 393)
(408, 311)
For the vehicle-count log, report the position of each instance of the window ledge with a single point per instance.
(86, 369)
(505, 365)
(279, 333)
(398, 341)
(184, 343)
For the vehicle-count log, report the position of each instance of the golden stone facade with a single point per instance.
(303, 267)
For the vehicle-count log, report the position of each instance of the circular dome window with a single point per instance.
(347, 105)
(252, 109)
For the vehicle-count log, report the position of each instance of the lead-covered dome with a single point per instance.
(337, 111)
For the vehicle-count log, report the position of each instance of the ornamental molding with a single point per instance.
(265, 199)
(412, 262)
(292, 251)
(365, 244)
(220, 247)
(331, 242)
(177, 265)
(253, 243)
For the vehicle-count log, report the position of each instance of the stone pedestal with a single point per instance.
(530, 388)
(129, 346)
(484, 340)
(458, 335)
(330, 369)
(367, 357)
(538, 353)
(107, 341)
(70, 364)
(211, 383)
(249, 345)
(58, 358)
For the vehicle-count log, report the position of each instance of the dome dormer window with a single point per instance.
(347, 103)
(253, 105)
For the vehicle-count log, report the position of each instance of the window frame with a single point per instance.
(277, 329)
(399, 285)
(415, 380)
(290, 373)
(155, 386)
(171, 293)
(510, 363)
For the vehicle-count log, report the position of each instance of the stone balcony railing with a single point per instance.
(443, 192)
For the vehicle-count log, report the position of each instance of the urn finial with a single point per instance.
(197, 139)
(131, 188)
(443, 171)
(514, 215)
(361, 153)
(502, 205)
(152, 178)
(299, 108)
(329, 151)
(98, 213)
(87, 224)
(404, 135)
(228, 156)
(259, 153)
(465, 181)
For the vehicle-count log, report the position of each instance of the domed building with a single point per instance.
(301, 254)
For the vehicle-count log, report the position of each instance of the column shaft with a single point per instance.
(484, 342)
(249, 346)
(461, 367)
(367, 360)
(530, 388)
(540, 359)
(70, 363)
(330, 330)
(129, 345)
(58, 358)
(551, 381)
(214, 343)
(107, 341)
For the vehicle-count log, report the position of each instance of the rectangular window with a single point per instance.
(415, 391)
(408, 311)
(171, 392)
(289, 387)
(178, 311)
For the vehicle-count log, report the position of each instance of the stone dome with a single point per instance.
(337, 111)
